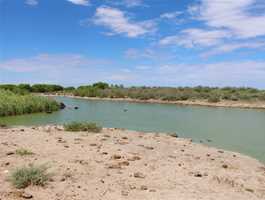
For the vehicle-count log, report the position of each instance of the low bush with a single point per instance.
(32, 175)
(24, 152)
(82, 126)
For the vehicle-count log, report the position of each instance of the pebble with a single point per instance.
(26, 195)
(144, 187)
(116, 157)
(198, 174)
(138, 175)
(10, 153)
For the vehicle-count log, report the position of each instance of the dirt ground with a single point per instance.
(119, 164)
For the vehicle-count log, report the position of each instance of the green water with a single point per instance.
(238, 130)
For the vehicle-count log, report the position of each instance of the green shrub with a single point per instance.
(214, 99)
(24, 152)
(32, 175)
(82, 126)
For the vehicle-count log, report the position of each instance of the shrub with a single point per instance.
(32, 175)
(23, 152)
(214, 99)
(82, 126)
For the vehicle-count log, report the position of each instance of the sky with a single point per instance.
(133, 42)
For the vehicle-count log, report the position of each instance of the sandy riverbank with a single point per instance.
(119, 164)
(226, 104)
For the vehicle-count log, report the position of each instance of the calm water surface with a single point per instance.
(238, 130)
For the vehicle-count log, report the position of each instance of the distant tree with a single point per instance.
(101, 85)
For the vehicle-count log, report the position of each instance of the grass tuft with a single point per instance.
(24, 152)
(82, 126)
(32, 175)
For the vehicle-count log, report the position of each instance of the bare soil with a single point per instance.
(119, 164)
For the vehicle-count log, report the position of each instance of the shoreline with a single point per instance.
(222, 104)
(121, 164)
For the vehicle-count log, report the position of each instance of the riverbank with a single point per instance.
(221, 104)
(121, 164)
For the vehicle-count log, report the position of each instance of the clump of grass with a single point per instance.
(18, 104)
(24, 152)
(82, 126)
(32, 175)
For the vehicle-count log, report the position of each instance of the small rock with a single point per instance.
(220, 151)
(116, 157)
(114, 166)
(93, 145)
(198, 174)
(124, 163)
(124, 193)
(149, 148)
(225, 166)
(22, 130)
(134, 158)
(26, 195)
(10, 153)
(152, 190)
(175, 135)
(144, 187)
(138, 175)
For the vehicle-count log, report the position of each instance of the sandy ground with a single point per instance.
(120, 164)
(226, 104)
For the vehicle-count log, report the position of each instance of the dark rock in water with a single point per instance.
(175, 135)
(62, 105)
(209, 140)
(76, 107)
(49, 112)
(125, 110)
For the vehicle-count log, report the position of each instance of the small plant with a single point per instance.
(82, 126)
(24, 152)
(32, 175)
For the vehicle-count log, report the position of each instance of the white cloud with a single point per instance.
(32, 2)
(117, 21)
(196, 37)
(170, 15)
(133, 3)
(226, 48)
(241, 73)
(127, 3)
(80, 2)
(238, 16)
(77, 69)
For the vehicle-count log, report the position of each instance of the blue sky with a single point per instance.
(133, 42)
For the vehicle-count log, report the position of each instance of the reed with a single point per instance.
(18, 104)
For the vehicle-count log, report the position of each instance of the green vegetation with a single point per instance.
(18, 104)
(32, 175)
(210, 94)
(82, 126)
(37, 88)
(24, 152)
(104, 90)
